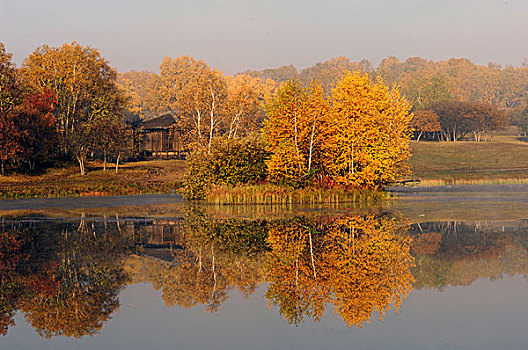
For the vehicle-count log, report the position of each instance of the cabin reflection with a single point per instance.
(160, 238)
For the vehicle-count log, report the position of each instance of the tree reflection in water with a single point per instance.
(360, 264)
(63, 276)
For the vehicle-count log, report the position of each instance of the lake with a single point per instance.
(431, 268)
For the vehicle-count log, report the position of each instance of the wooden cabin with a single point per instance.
(161, 137)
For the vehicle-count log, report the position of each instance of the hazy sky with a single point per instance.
(235, 35)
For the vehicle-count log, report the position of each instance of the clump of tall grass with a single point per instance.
(480, 181)
(268, 193)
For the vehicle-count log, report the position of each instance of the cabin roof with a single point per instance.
(162, 122)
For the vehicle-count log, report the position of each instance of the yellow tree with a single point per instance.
(245, 102)
(294, 132)
(142, 90)
(85, 86)
(360, 264)
(367, 141)
(198, 92)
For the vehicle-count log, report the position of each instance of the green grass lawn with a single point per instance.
(501, 161)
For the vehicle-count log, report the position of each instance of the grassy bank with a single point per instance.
(160, 176)
(503, 161)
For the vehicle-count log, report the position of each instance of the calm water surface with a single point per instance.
(159, 274)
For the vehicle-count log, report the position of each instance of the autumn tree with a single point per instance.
(36, 127)
(425, 121)
(142, 92)
(328, 73)
(367, 142)
(486, 119)
(85, 86)
(198, 93)
(244, 106)
(369, 264)
(10, 97)
(423, 88)
(294, 132)
(424, 82)
(9, 141)
(459, 118)
(522, 121)
(110, 137)
(295, 272)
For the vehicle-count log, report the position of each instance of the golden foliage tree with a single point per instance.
(294, 270)
(294, 132)
(197, 92)
(367, 142)
(142, 90)
(245, 102)
(370, 264)
(85, 86)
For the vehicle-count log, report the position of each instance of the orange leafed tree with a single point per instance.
(359, 137)
(198, 92)
(425, 121)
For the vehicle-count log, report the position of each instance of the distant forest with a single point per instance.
(423, 82)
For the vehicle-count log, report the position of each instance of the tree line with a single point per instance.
(501, 92)
(69, 103)
(423, 81)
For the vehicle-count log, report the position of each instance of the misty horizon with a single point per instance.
(235, 36)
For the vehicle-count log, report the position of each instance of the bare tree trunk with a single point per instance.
(80, 159)
(3, 167)
(117, 162)
(199, 124)
(233, 126)
(311, 146)
(211, 116)
(295, 138)
(104, 160)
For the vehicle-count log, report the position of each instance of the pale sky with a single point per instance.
(235, 35)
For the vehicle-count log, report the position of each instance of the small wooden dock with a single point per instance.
(404, 182)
